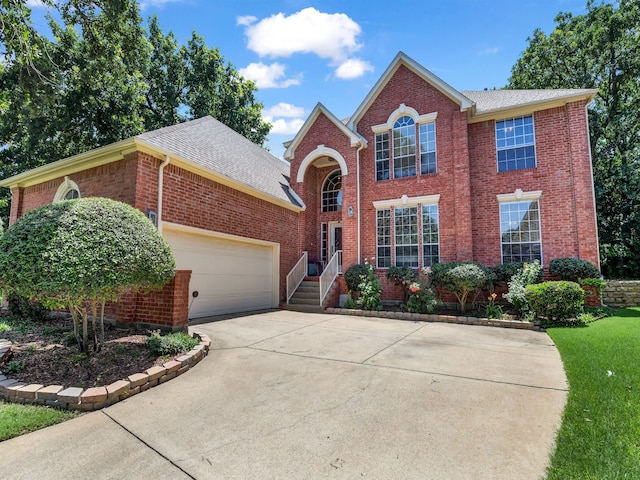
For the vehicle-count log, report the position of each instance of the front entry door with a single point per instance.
(335, 242)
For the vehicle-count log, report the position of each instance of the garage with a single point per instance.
(229, 274)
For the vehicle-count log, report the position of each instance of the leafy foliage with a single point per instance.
(555, 301)
(101, 77)
(170, 344)
(421, 299)
(600, 49)
(462, 279)
(528, 274)
(573, 269)
(370, 290)
(27, 309)
(506, 271)
(404, 277)
(78, 254)
(353, 276)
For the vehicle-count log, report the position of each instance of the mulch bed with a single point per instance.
(44, 353)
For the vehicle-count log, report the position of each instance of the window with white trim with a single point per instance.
(430, 235)
(68, 190)
(404, 147)
(382, 156)
(428, 148)
(515, 143)
(332, 192)
(520, 233)
(406, 236)
(323, 242)
(383, 238)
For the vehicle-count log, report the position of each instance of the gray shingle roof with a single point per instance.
(211, 144)
(489, 100)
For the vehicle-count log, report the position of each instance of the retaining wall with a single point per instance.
(622, 293)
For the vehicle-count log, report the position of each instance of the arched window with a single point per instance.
(332, 192)
(68, 190)
(404, 147)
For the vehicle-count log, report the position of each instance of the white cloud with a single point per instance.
(35, 4)
(286, 119)
(285, 127)
(489, 51)
(268, 76)
(330, 36)
(353, 68)
(283, 110)
(144, 4)
(246, 20)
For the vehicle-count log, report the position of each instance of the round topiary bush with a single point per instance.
(79, 254)
(555, 301)
(573, 269)
(353, 276)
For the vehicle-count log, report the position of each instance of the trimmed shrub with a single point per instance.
(404, 277)
(556, 301)
(506, 271)
(573, 269)
(462, 279)
(27, 309)
(353, 276)
(528, 274)
(170, 344)
(79, 254)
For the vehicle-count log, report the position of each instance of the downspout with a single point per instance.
(160, 183)
(358, 195)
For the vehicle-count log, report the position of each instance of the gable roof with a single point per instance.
(403, 59)
(491, 103)
(353, 136)
(204, 146)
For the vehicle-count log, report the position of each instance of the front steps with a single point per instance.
(307, 297)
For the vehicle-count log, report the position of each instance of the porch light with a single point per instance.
(350, 211)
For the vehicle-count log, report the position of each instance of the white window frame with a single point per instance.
(430, 233)
(525, 144)
(520, 197)
(431, 146)
(388, 236)
(382, 154)
(326, 207)
(65, 187)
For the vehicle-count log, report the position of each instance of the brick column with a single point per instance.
(16, 204)
(462, 187)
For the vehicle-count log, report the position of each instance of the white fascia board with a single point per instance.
(406, 201)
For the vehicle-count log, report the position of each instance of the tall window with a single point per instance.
(382, 156)
(332, 192)
(520, 231)
(406, 237)
(383, 238)
(404, 147)
(430, 235)
(428, 148)
(515, 142)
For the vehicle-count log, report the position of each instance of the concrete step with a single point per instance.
(304, 308)
(304, 301)
(302, 294)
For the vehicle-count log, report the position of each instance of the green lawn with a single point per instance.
(600, 434)
(16, 419)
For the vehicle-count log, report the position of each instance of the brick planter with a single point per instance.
(95, 398)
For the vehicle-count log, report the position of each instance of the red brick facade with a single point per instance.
(467, 178)
(188, 199)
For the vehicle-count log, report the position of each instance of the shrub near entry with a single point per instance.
(573, 269)
(555, 301)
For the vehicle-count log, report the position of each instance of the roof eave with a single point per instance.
(355, 138)
(403, 59)
(523, 108)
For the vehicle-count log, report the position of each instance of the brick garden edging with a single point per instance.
(421, 317)
(95, 398)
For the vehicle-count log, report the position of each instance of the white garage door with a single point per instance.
(230, 274)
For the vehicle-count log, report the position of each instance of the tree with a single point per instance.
(79, 254)
(105, 78)
(600, 49)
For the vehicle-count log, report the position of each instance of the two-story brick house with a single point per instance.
(422, 173)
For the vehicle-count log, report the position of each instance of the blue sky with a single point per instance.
(304, 52)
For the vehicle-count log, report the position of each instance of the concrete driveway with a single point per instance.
(287, 395)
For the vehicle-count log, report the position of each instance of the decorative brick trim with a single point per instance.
(95, 398)
(419, 317)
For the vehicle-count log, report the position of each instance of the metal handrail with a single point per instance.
(296, 276)
(329, 274)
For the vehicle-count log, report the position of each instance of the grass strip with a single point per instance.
(600, 433)
(17, 419)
